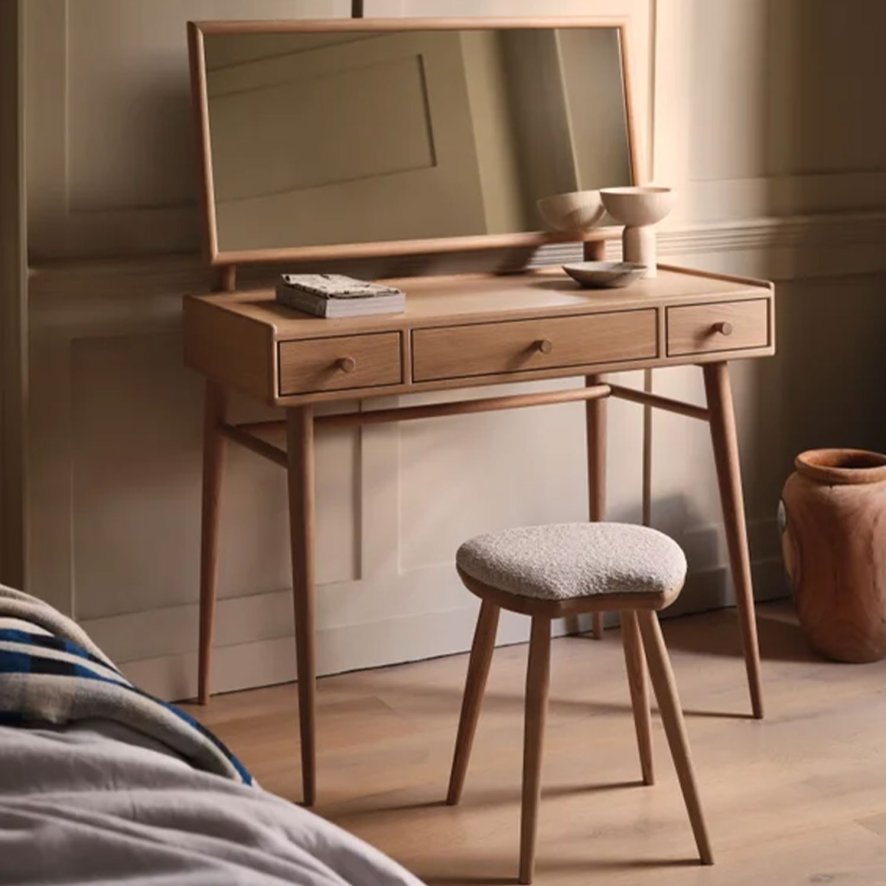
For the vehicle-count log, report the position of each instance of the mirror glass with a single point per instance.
(355, 137)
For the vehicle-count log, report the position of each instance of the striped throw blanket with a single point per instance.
(51, 673)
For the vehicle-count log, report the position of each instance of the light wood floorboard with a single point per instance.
(797, 798)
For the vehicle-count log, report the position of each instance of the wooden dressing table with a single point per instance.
(461, 332)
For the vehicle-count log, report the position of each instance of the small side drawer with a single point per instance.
(725, 326)
(332, 364)
(526, 345)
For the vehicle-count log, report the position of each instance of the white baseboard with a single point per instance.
(264, 662)
(256, 647)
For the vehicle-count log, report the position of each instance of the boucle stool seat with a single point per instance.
(561, 561)
(569, 568)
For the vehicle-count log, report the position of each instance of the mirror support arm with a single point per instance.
(225, 278)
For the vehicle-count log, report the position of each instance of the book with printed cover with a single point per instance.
(336, 295)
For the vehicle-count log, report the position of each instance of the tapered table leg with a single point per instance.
(595, 421)
(300, 473)
(725, 444)
(213, 466)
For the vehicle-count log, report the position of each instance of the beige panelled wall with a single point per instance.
(781, 171)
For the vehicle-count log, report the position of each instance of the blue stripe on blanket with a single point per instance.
(59, 668)
(15, 663)
(14, 635)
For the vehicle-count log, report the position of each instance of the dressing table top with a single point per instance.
(467, 330)
(472, 298)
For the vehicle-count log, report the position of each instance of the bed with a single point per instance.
(99, 782)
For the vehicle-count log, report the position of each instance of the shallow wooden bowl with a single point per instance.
(605, 274)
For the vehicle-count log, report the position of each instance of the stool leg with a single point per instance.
(475, 684)
(672, 717)
(537, 679)
(636, 667)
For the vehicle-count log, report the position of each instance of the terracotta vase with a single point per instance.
(834, 543)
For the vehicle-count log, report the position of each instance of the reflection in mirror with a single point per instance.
(354, 137)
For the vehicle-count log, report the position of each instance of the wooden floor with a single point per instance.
(795, 799)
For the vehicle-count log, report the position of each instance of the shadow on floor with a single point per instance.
(448, 879)
(587, 865)
(780, 636)
(490, 797)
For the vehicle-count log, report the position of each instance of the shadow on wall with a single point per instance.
(822, 388)
(709, 580)
(820, 153)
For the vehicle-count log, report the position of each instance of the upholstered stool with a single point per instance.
(565, 569)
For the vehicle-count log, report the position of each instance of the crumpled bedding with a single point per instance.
(52, 674)
(100, 803)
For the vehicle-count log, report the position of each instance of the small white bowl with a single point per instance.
(574, 211)
(605, 274)
(637, 206)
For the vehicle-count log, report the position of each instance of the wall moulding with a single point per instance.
(800, 234)
(78, 297)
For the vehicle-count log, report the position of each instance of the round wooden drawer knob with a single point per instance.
(347, 364)
(724, 327)
(544, 346)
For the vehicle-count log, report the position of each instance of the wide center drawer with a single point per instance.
(521, 345)
(331, 364)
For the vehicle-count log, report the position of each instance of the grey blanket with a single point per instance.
(102, 804)
(101, 783)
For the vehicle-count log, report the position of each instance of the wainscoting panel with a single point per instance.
(111, 146)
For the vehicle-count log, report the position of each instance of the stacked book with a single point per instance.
(335, 295)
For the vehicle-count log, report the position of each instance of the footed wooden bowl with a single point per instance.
(574, 211)
(637, 206)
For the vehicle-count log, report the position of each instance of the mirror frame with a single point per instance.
(197, 31)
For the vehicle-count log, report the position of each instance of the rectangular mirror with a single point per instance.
(360, 137)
